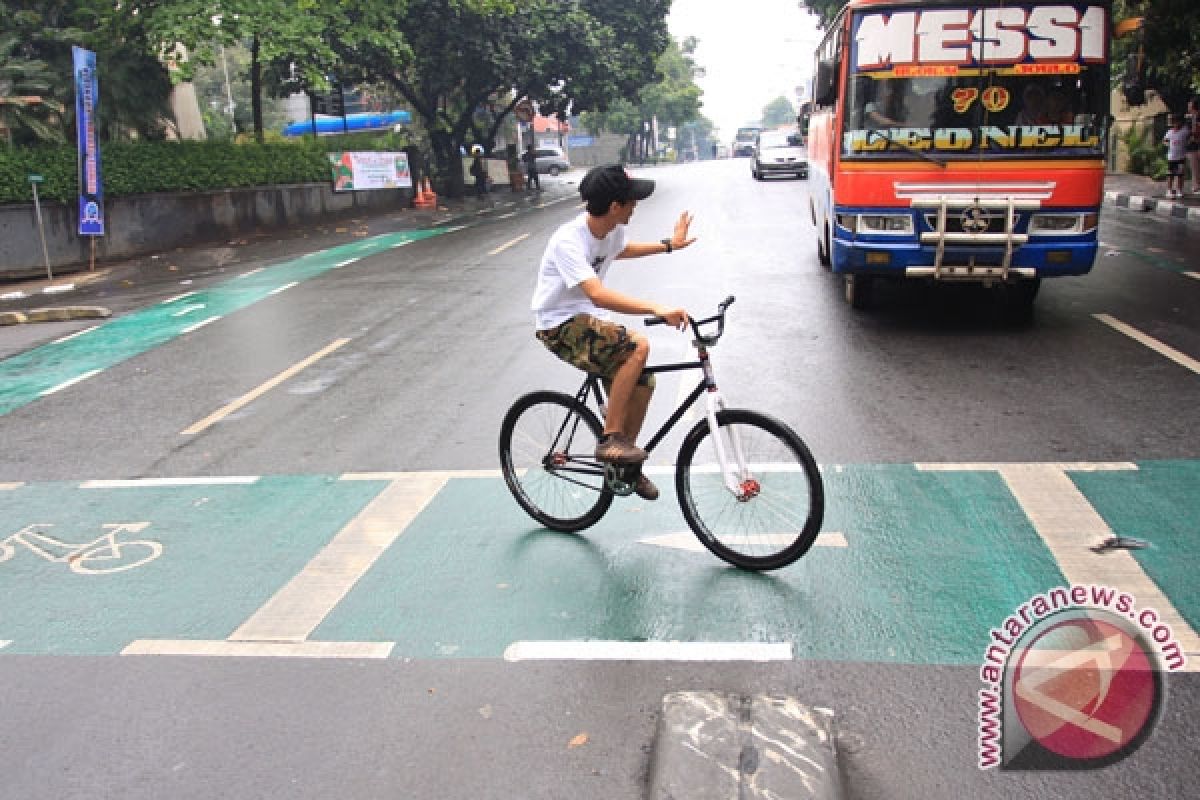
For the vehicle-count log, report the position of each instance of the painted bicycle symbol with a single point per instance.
(102, 555)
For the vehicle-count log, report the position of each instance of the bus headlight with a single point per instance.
(891, 224)
(1052, 224)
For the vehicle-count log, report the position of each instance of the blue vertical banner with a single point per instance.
(87, 99)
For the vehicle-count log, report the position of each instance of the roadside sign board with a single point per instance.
(87, 98)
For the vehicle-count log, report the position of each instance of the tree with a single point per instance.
(467, 63)
(779, 111)
(134, 87)
(27, 109)
(827, 10)
(672, 101)
(1172, 55)
(293, 44)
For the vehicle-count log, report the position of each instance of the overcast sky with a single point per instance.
(752, 51)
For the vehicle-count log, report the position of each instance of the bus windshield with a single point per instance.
(984, 82)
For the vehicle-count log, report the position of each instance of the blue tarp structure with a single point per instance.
(374, 121)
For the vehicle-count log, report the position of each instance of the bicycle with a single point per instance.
(753, 496)
(102, 555)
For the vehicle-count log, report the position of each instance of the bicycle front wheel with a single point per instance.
(762, 518)
(115, 557)
(548, 456)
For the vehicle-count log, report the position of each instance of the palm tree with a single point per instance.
(26, 109)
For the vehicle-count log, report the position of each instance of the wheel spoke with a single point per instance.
(775, 522)
(546, 451)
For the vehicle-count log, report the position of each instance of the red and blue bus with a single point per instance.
(960, 141)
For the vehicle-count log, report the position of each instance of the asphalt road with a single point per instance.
(402, 358)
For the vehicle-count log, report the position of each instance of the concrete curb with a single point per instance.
(53, 314)
(1166, 208)
(714, 745)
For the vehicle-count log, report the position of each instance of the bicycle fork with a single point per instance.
(731, 456)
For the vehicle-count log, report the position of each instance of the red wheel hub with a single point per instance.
(750, 489)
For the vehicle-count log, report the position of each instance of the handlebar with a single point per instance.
(718, 318)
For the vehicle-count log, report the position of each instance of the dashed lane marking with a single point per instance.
(74, 335)
(254, 394)
(144, 483)
(189, 647)
(68, 383)
(199, 325)
(509, 244)
(1149, 341)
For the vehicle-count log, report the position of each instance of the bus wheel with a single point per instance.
(858, 291)
(823, 247)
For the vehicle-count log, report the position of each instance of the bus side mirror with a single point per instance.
(824, 89)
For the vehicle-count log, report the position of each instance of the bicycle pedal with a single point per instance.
(621, 478)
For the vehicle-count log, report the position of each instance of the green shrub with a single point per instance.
(142, 167)
(1146, 155)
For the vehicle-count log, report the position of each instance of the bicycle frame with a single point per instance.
(735, 473)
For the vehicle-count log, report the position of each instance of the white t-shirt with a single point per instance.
(1176, 141)
(572, 256)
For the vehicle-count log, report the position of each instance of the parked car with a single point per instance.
(779, 152)
(552, 160)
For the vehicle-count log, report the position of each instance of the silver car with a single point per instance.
(779, 153)
(551, 160)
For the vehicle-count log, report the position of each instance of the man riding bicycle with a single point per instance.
(570, 300)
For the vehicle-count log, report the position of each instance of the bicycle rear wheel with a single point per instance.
(548, 456)
(775, 513)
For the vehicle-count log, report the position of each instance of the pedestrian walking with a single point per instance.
(531, 173)
(1176, 139)
(479, 171)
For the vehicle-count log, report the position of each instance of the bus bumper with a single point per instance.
(1049, 258)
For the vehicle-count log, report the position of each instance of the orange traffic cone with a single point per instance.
(420, 199)
(430, 197)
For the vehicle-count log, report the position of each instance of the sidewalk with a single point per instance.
(121, 286)
(1139, 193)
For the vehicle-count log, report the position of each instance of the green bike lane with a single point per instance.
(26, 377)
(445, 565)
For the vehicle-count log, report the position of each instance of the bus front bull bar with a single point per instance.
(940, 237)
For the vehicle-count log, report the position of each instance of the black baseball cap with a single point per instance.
(603, 185)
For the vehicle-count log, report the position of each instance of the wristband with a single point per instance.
(667, 242)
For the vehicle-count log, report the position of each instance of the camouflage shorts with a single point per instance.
(592, 345)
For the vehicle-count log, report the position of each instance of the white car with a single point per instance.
(779, 152)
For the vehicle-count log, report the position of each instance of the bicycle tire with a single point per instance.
(119, 557)
(558, 482)
(775, 525)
